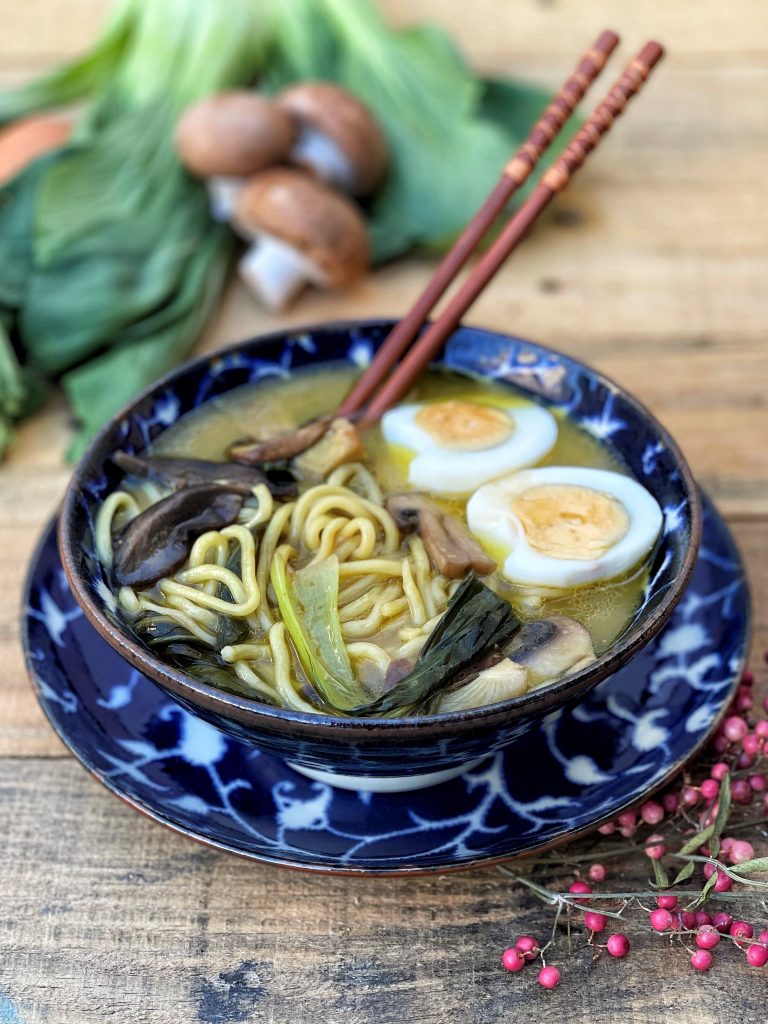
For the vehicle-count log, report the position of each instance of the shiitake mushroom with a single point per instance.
(158, 541)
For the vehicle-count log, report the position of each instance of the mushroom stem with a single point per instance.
(274, 272)
(222, 193)
(320, 153)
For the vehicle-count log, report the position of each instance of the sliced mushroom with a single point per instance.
(302, 232)
(450, 546)
(551, 648)
(227, 138)
(178, 473)
(339, 444)
(499, 682)
(338, 139)
(158, 541)
(281, 446)
(541, 652)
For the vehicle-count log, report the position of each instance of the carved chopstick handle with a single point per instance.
(597, 124)
(560, 109)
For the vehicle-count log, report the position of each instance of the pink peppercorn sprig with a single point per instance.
(682, 832)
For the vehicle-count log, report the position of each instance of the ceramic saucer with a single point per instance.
(577, 768)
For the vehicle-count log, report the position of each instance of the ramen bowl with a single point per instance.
(389, 754)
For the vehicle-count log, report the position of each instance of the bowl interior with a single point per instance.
(595, 403)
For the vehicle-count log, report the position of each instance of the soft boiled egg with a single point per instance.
(565, 526)
(458, 445)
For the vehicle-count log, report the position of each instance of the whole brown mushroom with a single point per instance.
(338, 138)
(302, 232)
(228, 137)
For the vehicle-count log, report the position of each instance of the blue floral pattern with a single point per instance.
(566, 773)
(592, 401)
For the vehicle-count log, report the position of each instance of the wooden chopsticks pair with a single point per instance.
(374, 392)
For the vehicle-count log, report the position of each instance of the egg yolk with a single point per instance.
(567, 521)
(464, 426)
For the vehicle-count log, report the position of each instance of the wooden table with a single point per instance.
(654, 269)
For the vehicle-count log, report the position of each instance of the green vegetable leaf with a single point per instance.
(721, 818)
(660, 874)
(308, 603)
(477, 621)
(684, 873)
(748, 867)
(703, 896)
(449, 134)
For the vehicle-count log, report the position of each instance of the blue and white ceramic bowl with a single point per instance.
(389, 753)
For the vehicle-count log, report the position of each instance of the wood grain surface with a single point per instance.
(653, 267)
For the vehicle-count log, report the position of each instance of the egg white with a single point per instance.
(492, 521)
(443, 470)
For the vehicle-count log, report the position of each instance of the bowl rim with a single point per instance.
(223, 703)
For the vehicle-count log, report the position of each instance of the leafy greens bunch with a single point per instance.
(109, 261)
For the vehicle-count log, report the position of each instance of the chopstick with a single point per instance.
(555, 179)
(514, 175)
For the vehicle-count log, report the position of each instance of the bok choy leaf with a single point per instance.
(309, 604)
(477, 621)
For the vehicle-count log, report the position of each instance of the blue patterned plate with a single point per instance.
(575, 769)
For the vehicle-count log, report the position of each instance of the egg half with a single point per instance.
(458, 445)
(565, 526)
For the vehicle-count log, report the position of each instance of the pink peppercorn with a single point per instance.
(689, 796)
(709, 789)
(670, 802)
(655, 848)
(597, 873)
(726, 843)
(723, 883)
(618, 945)
(740, 930)
(595, 922)
(741, 791)
(707, 937)
(745, 760)
(528, 947)
(652, 812)
(687, 920)
(740, 851)
(722, 921)
(607, 829)
(751, 744)
(758, 783)
(709, 870)
(735, 728)
(580, 887)
(628, 831)
(761, 729)
(747, 678)
(719, 771)
(661, 920)
(744, 701)
(702, 918)
(763, 936)
(720, 744)
(666, 902)
(701, 960)
(512, 960)
(549, 977)
(627, 818)
(757, 955)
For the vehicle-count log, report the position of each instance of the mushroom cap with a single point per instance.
(233, 134)
(323, 225)
(348, 122)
